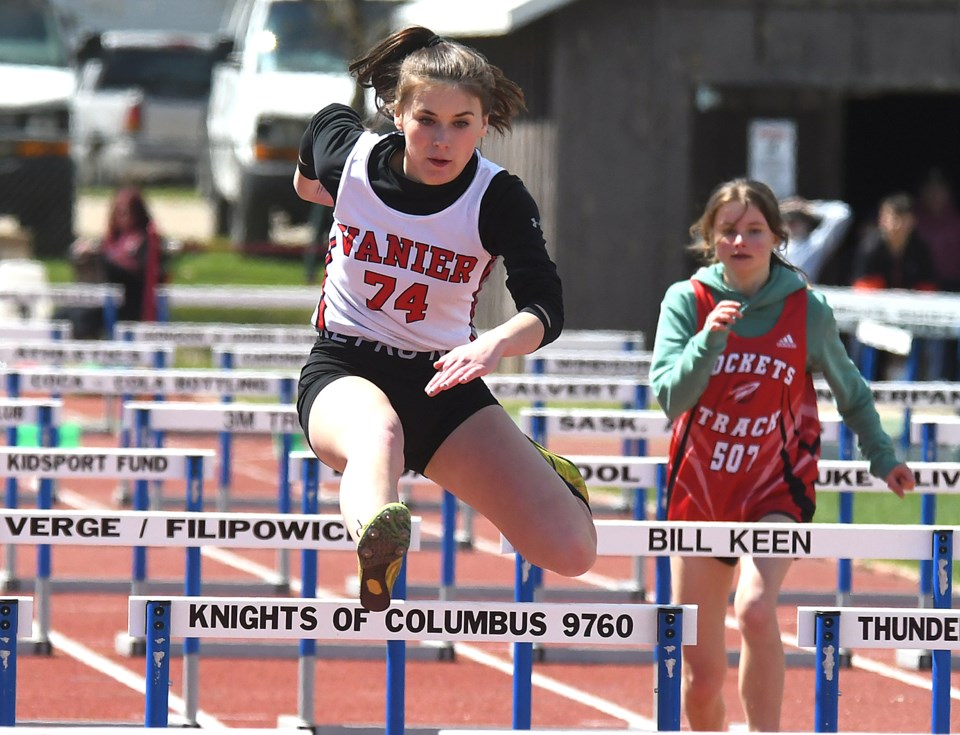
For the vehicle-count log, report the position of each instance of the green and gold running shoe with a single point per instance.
(383, 543)
(568, 472)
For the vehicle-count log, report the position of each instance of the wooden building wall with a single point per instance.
(615, 86)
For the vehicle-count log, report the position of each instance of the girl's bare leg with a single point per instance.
(488, 463)
(705, 582)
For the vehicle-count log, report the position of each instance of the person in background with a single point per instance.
(394, 378)
(817, 229)
(938, 222)
(893, 254)
(130, 254)
(735, 350)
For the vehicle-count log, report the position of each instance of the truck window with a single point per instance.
(300, 36)
(171, 72)
(29, 35)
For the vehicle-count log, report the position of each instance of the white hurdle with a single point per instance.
(14, 413)
(189, 530)
(39, 527)
(36, 329)
(829, 630)
(86, 352)
(667, 628)
(142, 417)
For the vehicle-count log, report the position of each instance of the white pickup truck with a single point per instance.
(288, 59)
(140, 106)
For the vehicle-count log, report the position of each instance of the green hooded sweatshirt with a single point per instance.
(684, 354)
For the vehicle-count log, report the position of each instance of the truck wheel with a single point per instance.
(53, 232)
(221, 215)
(250, 223)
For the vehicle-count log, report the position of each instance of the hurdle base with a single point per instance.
(914, 659)
(292, 722)
(34, 647)
(130, 646)
(10, 583)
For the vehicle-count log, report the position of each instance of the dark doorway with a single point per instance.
(892, 141)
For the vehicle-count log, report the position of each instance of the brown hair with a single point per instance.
(416, 55)
(746, 192)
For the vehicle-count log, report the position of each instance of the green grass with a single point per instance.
(216, 265)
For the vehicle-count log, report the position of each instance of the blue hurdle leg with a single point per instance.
(942, 599)
(669, 667)
(309, 505)
(158, 664)
(827, 671)
(397, 667)
(524, 586)
(8, 672)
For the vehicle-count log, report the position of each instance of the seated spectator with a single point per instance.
(816, 230)
(938, 222)
(130, 254)
(894, 255)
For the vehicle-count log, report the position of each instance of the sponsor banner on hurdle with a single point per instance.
(162, 381)
(160, 528)
(854, 475)
(576, 362)
(899, 394)
(645, 423)
(95, 352)
(298, 618)
(135, 464)
(203, 334)
(556, 388)
(794, 540)
(17, 411)
(886, 627)
(834, 474)
(237, 418)
(262, 356)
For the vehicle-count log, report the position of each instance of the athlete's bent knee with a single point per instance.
(756, 618)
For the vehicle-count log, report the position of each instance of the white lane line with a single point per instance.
(634, 720)
(122, 675)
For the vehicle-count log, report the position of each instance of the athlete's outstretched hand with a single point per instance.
(723, 316)
(463, 364)
(900, 479)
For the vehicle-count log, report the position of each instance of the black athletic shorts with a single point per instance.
(401, 375)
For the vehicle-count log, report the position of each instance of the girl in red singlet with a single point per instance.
(735, 351)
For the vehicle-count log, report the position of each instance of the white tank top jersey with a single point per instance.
(409, 281)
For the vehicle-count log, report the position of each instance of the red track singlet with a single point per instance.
(750, 445)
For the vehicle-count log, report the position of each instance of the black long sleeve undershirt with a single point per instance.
(509, 222)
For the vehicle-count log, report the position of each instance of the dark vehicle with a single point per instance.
(36, 171)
